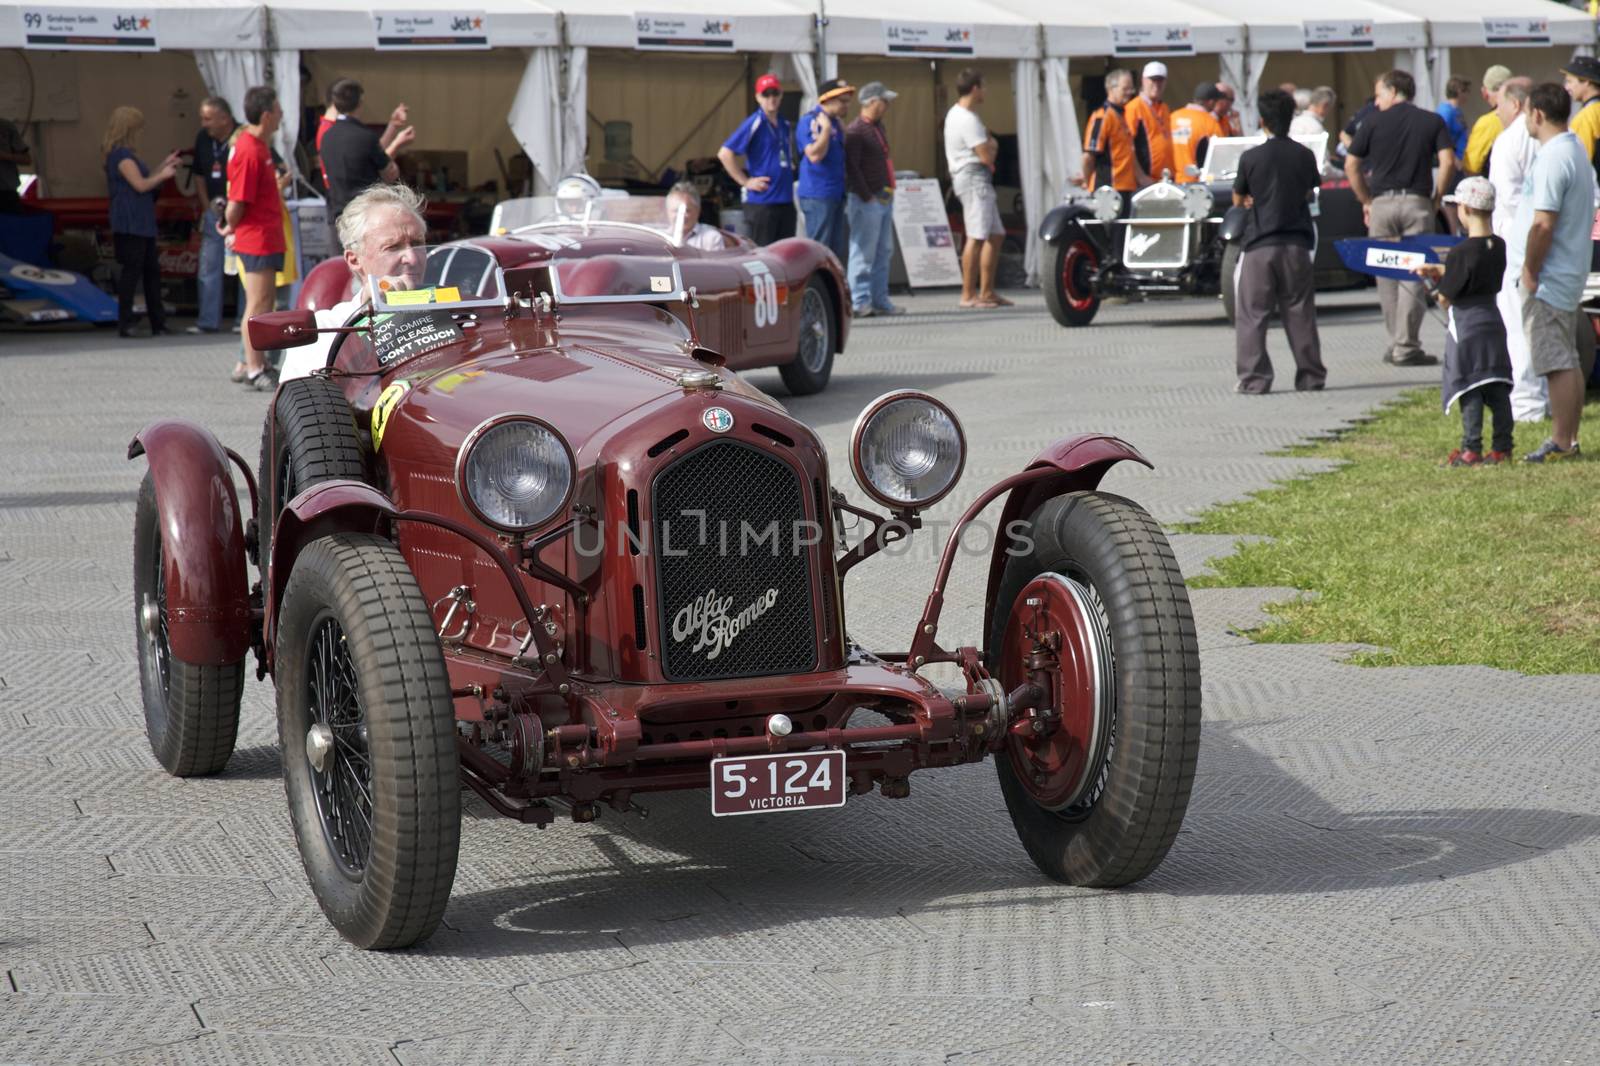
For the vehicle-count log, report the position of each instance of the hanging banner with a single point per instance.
(90, 29)
(927, 39)
(1519, 32)
(420, 31)
(1339, 36)
(1152, 40)
(926, 243)
(683, 33)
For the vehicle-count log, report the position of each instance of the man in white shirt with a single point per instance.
(1509, 161)
(971, 151)
(684, 199)
(1312, 121)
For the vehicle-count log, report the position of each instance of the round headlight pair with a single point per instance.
(515, 473)
(1106, 203)
(907, 450)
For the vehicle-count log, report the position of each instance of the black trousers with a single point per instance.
(1496, 396)
(771, 222)
(137, 259)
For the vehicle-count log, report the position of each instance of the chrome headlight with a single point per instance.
(907, 450)
(515, 473)
(1107, 204)
(1198, 203)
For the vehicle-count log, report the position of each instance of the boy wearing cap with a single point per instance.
(766, 141)
(1193, 126)
(822, 166)
(1150, 122)
(1480, 141)
(1477, 363)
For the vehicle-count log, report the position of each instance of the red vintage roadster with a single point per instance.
(526, 531)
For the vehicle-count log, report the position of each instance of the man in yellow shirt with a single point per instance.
(1488, 126)
(1583, 85)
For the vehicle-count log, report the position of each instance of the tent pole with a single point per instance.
(822, 41)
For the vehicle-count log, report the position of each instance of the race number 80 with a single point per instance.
(764, 287)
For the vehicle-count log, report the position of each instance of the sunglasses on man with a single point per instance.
(772, 92)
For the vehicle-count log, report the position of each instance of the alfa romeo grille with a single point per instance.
(733, 565)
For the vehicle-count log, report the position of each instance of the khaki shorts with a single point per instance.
(980, 210)
(1552, 335)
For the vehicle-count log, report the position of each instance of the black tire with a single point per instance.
(1068, 263)
(191, 711)
(352, 611)
(315, 440)
(1230, 266)
(1121, 828)
(818, 343)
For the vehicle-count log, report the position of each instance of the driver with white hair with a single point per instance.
(384, 238)
(683, 218)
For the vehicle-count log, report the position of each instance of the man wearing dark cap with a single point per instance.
(766, 174)
(1583, 85)
(1401, 145)
(822, 166)
(1193, 126)
(869, 203)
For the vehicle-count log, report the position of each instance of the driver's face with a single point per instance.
(392, 247)
(691, 212)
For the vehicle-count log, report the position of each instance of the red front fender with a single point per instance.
(338, 506)
(1078, 463)
(202, 542)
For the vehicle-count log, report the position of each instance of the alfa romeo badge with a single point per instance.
(718, 419)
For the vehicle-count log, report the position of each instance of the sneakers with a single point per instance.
(1414, 359)
(264, 380)
(1493, 458)
(240, 372)
(888, 312)
(1461, 457)
(194, 331)
(862, 312)
(1549, 452)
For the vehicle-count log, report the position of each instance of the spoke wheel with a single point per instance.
(367, 727)
(343, 781)
(191, 710)
(814, 352)
(1057, 633)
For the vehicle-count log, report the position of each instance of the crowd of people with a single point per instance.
(1511, 289)
(842, 177)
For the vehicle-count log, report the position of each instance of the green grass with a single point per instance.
(1440, 566)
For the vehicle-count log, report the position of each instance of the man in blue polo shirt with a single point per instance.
(766, 141)
(822, 166)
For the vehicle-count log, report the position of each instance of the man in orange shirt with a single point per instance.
(1193, 126)
(1150, 122)
(1227, 116)
(1108, 156)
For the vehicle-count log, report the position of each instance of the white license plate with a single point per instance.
(764, 784)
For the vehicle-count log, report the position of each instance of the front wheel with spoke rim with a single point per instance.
(368, 735)
(813, 362)
(1098, 783)
(1068, 272)
(191, 710)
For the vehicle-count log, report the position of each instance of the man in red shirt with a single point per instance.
(253, 225)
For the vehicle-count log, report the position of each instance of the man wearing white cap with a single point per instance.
(1150, 122)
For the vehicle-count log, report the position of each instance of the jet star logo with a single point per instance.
(130, 23)
(716, 27)
(708, 619)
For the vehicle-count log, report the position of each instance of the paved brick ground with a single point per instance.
(1378, 866)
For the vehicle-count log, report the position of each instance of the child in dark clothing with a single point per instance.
(1477, 363)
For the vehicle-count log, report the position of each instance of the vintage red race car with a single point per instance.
(527, 532)
(785, 305)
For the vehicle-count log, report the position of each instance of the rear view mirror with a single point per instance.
(282, 329)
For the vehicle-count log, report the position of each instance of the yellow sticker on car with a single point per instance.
(388, 400)
(408, 297)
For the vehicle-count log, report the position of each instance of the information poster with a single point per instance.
(90, 29)
(420, 31)
(1516, 32)
(1339, 35)
(927, 39)
(683, 33)
(923, 229)
(1152, 40)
